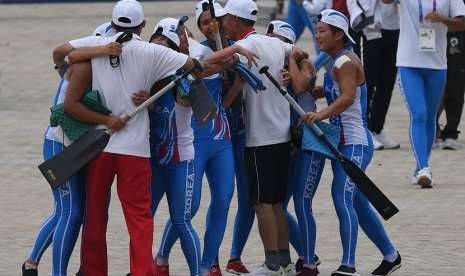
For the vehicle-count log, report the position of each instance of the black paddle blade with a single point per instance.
(382, 204)
(203, 106)
(68, 162)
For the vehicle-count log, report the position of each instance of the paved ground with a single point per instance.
(429, 230)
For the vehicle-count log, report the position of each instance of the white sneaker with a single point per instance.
(386, 141)
(425, 178)
(377, 145)
(290, 270)
(263, 270)
(451, 144)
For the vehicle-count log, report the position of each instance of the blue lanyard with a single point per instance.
(420, 7)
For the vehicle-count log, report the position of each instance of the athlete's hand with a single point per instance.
(312, 117)
(298, 54)
(286, 77)
(113, 49)
(115, 123)
(251, 57)
(318, 92)
(435, 17)
(139, 97)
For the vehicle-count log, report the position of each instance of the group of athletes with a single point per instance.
(166, 151)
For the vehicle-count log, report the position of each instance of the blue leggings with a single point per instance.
(305, 177)
(422, 90)
(298, 18)
(245, 213)
(215, 158)
(61, 229)
(183, 195)
(353, 208)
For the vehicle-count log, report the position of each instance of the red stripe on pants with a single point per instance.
(133, 186)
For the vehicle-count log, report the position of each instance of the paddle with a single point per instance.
(382, 204)
(60, 167)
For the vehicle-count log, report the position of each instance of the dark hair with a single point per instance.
(127, 29)
(171, 44)
(336, 29)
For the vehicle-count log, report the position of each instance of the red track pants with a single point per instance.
(133, 186)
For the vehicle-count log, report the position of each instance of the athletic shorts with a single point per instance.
(267, 172)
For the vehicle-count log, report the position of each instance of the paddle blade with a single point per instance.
(203, 106)
(382, 204)
(68, 162)
(312, 142)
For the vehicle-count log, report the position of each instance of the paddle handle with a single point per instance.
(160, 93)
(215, 25)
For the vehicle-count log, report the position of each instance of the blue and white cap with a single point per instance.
(281, 28)
(167, 28)
(104, 29)
(336, 19)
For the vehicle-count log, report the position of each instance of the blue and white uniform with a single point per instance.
(173, 166)
(213, 156)
(352, 207)
(61, 229)
(305, 174)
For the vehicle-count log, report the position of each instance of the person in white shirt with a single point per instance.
(422, 62)
(127, 154)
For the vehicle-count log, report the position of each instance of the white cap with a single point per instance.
(167, 28)
(246, 9)
(200, 8)
(128, 13)
(104, 29)
(281, 28)
(336, 19)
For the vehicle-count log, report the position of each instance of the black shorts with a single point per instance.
(267, 171)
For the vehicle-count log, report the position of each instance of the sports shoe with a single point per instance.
(345, 271)
(161, 270)
(386, 141)
(386, 268)
(425, 178)
(290, 270)
(235, 266)
(215, 271)
(451, 144)
(306, 271)
(29, 271)
(79, 273)
(263, 270)
(377, 145)
(300, 264)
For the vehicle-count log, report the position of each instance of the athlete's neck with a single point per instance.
(336, 51)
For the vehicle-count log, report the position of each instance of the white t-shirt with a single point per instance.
(389, 15)
(141, 65)
(267, 118)
(408, 53)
